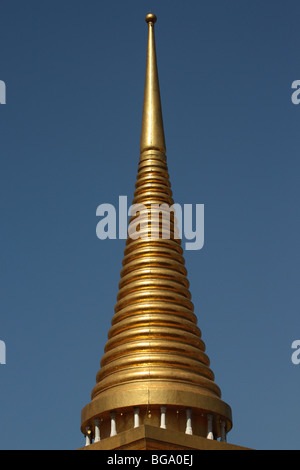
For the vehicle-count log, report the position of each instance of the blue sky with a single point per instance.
(69, 140)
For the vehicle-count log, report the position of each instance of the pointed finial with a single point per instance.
(151, 18)
(153, 137)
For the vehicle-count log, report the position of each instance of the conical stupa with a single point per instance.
(155, 388)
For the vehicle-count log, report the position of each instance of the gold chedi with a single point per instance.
(155, 388)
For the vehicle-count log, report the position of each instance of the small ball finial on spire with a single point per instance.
(151, 18)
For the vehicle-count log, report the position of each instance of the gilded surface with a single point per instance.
(155, 354)
(151, 438)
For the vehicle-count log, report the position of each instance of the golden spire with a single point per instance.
(153, 137)
(155, 359)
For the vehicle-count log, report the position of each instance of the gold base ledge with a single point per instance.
(121, 399)
(153, 438)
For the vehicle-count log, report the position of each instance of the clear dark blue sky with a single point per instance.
(69, 141)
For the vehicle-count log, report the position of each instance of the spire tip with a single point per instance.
(151, 18)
